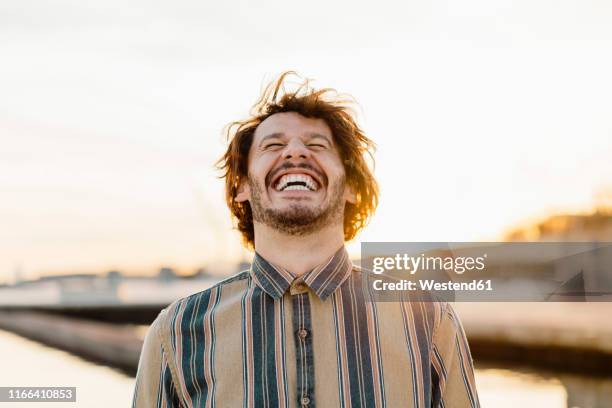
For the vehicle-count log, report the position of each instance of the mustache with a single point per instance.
(286, 166)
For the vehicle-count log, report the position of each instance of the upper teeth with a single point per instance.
(309, 182)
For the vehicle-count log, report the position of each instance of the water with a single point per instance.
(32, 364)
(27, 363)
(525, 387)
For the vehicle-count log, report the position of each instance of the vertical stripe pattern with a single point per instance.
(228, 346)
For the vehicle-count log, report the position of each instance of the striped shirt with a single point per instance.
(266, 338)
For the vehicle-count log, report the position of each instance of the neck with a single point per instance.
(298, 254)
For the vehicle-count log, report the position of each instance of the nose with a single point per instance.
(296, 150)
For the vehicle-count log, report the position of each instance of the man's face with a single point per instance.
(296, 180)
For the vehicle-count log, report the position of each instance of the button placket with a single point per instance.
(302, 328)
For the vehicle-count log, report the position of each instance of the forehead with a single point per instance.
(292, 124)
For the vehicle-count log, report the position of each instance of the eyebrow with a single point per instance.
(278, 135)
(319, 136)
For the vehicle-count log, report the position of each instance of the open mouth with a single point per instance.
(296, 182)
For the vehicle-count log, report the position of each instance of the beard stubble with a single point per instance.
(298, 219)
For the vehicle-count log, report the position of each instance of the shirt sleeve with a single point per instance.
(452, 366)
(154, 383)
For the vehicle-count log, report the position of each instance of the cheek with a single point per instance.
(328, 160)
(334, 168)
(260, 167)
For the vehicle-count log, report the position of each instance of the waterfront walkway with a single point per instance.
(566, 336)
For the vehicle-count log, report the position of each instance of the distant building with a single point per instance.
(587, 270)
(67, 277)
(114, 275)
(83, 289)
(570, 227)
(114, 278)
(201, 273)
(167, 274)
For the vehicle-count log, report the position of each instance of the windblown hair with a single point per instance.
(353, 145)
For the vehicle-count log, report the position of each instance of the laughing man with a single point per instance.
(296, 329)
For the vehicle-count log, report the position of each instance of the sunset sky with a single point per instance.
(487, 113)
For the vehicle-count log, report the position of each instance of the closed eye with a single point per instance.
(318, 145)
(271, 145)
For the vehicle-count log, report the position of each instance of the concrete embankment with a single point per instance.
(566, 336)
(106, 343)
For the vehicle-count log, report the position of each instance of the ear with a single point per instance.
(244, 192)
(349, 194)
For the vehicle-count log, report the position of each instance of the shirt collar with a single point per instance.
(323, 280)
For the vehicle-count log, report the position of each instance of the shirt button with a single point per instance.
(298, 288)
(305, 401)
(303, 333)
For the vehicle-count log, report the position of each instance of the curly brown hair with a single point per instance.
(353, 146)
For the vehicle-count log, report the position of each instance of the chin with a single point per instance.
(298, 210)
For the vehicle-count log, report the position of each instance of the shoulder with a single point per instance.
(207, 294)
(193, 305)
